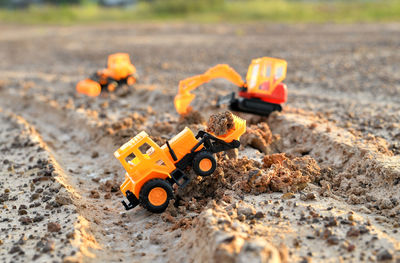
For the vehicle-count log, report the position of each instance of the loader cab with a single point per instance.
(265, 74)
(120, 65)
(140, 155)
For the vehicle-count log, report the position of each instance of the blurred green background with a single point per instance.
(283, 11)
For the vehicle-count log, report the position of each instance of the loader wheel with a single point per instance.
(130, 80)
(155, 195)
(204, 163)
(112, 86)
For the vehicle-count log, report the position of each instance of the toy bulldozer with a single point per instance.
(151, 170)
(119, 71)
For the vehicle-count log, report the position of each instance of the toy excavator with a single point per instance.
(119, 71)
(261, 94)
(151, 170)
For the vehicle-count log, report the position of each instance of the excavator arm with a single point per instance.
(184, 97)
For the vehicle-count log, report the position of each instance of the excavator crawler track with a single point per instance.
(255, 106)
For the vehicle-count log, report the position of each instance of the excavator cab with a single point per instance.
(265, 74)
(264, 80)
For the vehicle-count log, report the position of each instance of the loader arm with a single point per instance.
(184, 97)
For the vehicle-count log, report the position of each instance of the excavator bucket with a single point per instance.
(182, 102)
(88, 87)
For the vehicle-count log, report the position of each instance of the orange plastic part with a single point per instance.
(205, 165)
(157, 196)
(88, 87)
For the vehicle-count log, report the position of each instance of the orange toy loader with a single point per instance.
(119, 71)
(261, 94)
(151, 170)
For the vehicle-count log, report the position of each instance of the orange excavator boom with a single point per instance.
(184, 97)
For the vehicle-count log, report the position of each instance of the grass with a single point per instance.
(284, 11)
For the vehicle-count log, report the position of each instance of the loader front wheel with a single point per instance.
(155, 195)
(112, 86)
(130, 80)
(204, 163)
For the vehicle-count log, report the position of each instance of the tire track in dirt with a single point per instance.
(108, 232)
(30, 238)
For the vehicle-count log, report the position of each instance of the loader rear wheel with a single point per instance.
(204, 163)
(155, 195)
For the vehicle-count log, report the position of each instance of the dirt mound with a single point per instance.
(258, 136)
(355, 168)
(277, 173)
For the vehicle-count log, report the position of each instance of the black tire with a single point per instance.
(144, 195)
(200, 157)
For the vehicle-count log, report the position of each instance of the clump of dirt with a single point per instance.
(192, 117)
(121, 131)
(258, 136)
(162, 128)
(131, 121)
(220, 123)
(288, 174)
(110, 186)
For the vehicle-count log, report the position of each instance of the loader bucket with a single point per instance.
(236, 132)
(88, 87)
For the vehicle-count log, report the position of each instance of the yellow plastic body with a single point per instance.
(157, 161)
(184, 97)
(119, 67)
(261, 70)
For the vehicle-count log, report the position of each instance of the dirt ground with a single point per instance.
(318, 182)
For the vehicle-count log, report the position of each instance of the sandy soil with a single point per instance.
(318, 182)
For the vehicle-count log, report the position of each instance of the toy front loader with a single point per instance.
(151, 173)
(119, 71)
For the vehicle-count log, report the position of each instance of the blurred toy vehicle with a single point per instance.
(117, 3)
(119, 71)
(261, 94)
(151, 170)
